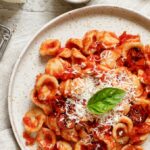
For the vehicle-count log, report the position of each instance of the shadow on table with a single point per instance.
(63, 6)
(7, 11)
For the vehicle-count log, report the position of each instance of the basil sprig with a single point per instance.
(105, 100)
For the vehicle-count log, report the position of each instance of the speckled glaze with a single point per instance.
(71, 24)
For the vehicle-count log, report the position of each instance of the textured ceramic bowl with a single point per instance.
(70, 24)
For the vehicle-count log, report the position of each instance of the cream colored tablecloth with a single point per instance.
(24, 20)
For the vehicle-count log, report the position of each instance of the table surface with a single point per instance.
(24, 20)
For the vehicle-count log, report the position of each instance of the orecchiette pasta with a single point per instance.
(69, 87)
(131, 147)
(70, 135)
(91, 42)
(77, 56)
(51, 122)
(108, 58)
(120, 133)
(74, 43)
(50, 47)
(83, 134)
(79, 72)
(46, 139)
(128, 122)
(96, 145)
(146, 52)
(65, 87)
(46, 108)
(56, 67)
(33, 120)
(144, 76)
(108, 39)
(138, 85)
(127, 46)
(64, 53)
(46, 87)
(62, 145)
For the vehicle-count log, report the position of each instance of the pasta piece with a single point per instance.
(142, 102)
(33, 120)
(71, 87)
(148, 121)
(146, 92)
(76, 70)
(144, 76)
(108, 39)
(46, 87)
(138, 85)
(120, 132)
(77, 56)
(65, 123)
(128, 122)
(109, 58)
(91, 64)
(79, 146)
(77, 86)
(46, 108)
(65, 88)
(146, 52)
(137, 114)
(127, 46)
(51, 122)
(91, 42)
(133, 57)
(62, 145)
(64, 53)
(138, 138)
(46, 139)
(144, 107)
(74, 43)
(72, 72)
(70, 134)
(56, 67)
(83, 134)
(126, 109)
(50, 47)
(102, 134)
(131, 147)
(93, 146)
(102, 68)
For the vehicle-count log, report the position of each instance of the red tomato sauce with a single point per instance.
(29, 140)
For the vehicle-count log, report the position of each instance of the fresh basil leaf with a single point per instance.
(105, 100)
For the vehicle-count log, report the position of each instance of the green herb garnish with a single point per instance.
(105, 100)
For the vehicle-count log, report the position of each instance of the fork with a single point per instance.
(5, 35)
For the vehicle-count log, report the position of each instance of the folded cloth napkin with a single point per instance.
(15, 1)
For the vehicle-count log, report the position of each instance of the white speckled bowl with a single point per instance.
(71, 24)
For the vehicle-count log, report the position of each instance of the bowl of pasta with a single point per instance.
(83, 82)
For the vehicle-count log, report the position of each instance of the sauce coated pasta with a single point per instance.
(61, 120)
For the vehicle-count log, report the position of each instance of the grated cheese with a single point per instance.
(89, 86)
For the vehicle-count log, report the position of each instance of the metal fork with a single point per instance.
(5, 35)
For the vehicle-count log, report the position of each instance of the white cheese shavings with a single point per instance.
(89, 86)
